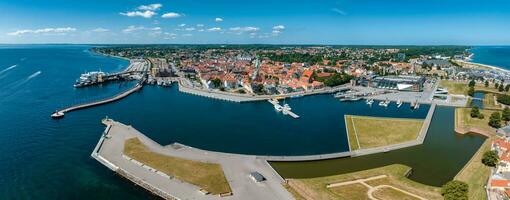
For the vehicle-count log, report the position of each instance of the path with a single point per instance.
(372, 189)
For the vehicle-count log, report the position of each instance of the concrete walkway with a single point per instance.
(109, 152)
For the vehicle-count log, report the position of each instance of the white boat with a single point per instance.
(399, 103)
(278, 108)
(417, 106)
(286, 107)
(370, 101)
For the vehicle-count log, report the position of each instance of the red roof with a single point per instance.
(500, 183)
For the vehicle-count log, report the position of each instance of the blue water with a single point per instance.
(50, 159)
(498, 56)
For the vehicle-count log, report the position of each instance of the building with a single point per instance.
(257, 177)
(401, 83)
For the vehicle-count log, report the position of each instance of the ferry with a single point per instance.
(89, 78)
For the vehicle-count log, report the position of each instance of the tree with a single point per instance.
(455, 190)
(501, 88)
(471, 91)
(490, 158)
(505, 115)
(504, 99)
(507, 87)
(475, 112)
(216, 82)
(495, 120)
(486, 83)
(496, 85)
(472, 83)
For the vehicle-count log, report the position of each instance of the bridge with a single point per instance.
(60, 113)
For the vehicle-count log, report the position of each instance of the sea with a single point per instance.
(498, 56)
(43, 158)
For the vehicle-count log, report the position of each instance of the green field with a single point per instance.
(208, 176)
(475, 173)
(315, 188)
(463, 120)
(370, 132)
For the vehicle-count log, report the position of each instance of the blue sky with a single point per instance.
(428, 22)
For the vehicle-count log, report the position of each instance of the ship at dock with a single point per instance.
(90, 78)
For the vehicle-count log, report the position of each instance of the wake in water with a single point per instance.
(7, 69)
(34, 75)
(15, 86)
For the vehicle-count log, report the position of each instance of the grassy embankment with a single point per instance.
(372, 132)
(457, 87)
(464, 123)
(475, 173)
(208, 176)
(315, 188)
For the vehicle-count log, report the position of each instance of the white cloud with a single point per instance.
(189, 29)
(200, 25)
(131, 29)
(187, 35)
(100, 30)
(201, 30)
(144, 14)
(279, 27)
(214, 29)
(244, 29)
(182, 25)
(152, 7)
(61, 31)
(170, 34)
(217, 19)
(171, 15)
(338, 11)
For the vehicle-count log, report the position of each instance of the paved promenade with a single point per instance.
(236, 168)
(239, 98)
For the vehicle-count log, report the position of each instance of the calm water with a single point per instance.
(496, 56)
(50, 159)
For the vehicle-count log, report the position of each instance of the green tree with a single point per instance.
(472, 83)
(475, 112)
(486, 83)
(495, 120)
(504, 99)
(490, 158)
(496, 85)
(471, 91)
(216, 82)
(507, 87)
(505, 115)
(501, 88)
(455, 190)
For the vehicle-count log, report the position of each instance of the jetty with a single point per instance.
(60, 113)
(284, 109)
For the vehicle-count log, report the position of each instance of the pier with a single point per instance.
(283, 109)
(60, 113)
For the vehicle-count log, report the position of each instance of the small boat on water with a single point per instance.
(370, 102)
(417, 106)
(384, 103)
(350, 98)
(296, 96)
(399, 103)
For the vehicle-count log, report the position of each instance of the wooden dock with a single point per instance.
(283, 109)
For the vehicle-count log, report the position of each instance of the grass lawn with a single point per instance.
(208, 176)
(380, 131)
(351, 191)
(488, 102)
(475, 173)
(315, 188)
(390, 194)
(456, 87)
(463, 119)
